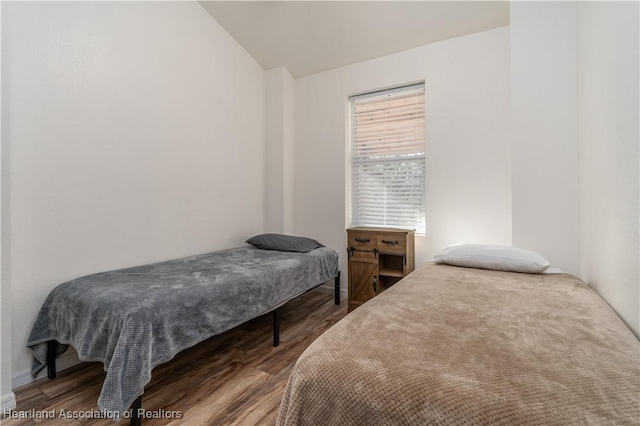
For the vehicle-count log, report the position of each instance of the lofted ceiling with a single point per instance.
(308, 37)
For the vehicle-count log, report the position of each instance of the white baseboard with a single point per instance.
(330, 288)
(24, 377)
(8, 402)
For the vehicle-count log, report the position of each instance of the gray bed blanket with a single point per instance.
(134, 319)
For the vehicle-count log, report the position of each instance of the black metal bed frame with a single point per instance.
(135, 419)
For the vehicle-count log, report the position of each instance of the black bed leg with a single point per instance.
(136, 420)
(337, 289)
(276, 327)
(52, 347)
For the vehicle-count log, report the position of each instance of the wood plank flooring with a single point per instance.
(236, 378)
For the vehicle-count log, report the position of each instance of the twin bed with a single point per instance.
(449, 345)
(134, 319)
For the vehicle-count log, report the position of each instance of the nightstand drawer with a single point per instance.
(362, 241)
(391, 243)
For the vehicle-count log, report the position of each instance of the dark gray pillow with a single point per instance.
(282, 242)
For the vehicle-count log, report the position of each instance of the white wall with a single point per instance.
(7, 397)
(136, 135)
(288, 160)
(279, 151)
(544, 130)
(608, 153)
(468, 153)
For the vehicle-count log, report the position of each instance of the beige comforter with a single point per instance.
(460, 346)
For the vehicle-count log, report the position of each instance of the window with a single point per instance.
(388, 158)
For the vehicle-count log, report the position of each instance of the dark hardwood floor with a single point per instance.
(236, 378)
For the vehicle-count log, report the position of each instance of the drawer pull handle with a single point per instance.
(375, 287)
(389, 242)
(362, 240)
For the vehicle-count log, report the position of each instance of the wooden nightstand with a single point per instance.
(378, 258)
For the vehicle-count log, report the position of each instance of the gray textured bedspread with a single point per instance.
(136, 318)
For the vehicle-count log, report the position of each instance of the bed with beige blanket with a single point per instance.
(460, 346)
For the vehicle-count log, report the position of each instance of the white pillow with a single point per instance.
(499, 258)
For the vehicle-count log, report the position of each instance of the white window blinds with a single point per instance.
(388, 158)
